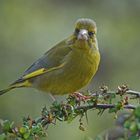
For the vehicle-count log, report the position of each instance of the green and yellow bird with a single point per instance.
(68, 66)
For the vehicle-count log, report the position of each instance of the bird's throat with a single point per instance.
(82, 44)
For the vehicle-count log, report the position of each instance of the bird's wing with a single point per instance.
(51, 60)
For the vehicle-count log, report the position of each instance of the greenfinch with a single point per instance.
(68, 66)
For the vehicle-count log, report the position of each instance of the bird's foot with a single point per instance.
(80, 97)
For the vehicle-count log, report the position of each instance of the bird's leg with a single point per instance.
(52, 97)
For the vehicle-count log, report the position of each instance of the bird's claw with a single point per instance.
(80, 97)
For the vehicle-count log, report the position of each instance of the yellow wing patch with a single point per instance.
(41, 71)
(25, 83)
(35, 73)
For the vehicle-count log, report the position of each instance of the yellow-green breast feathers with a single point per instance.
(68, 66)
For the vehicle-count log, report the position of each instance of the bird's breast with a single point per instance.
(81, 67)
(78, 70)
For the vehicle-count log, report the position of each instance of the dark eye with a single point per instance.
(77, 30)
(90, 33)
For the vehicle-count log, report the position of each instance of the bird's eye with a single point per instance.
(90, 34)
(77, 30)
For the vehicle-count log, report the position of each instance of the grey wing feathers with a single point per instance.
(35, 66)
(51, 58)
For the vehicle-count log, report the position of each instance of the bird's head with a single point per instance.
(85, 31)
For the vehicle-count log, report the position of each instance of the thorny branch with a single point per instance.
(77, 104)
(104, 106)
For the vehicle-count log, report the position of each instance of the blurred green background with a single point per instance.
(29, 28)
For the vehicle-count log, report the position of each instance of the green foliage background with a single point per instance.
(29, 28)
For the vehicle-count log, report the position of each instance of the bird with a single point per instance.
(68, 66)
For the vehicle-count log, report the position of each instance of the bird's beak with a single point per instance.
(83, 34)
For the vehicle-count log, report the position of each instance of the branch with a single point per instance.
(104, 106)
(76, 104)
(132, 92)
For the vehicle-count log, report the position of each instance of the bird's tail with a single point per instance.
(5, 90)
(16, 84)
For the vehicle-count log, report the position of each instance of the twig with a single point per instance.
(132, 92)
(104, 106)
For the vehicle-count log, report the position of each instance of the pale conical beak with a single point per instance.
(83, 34)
